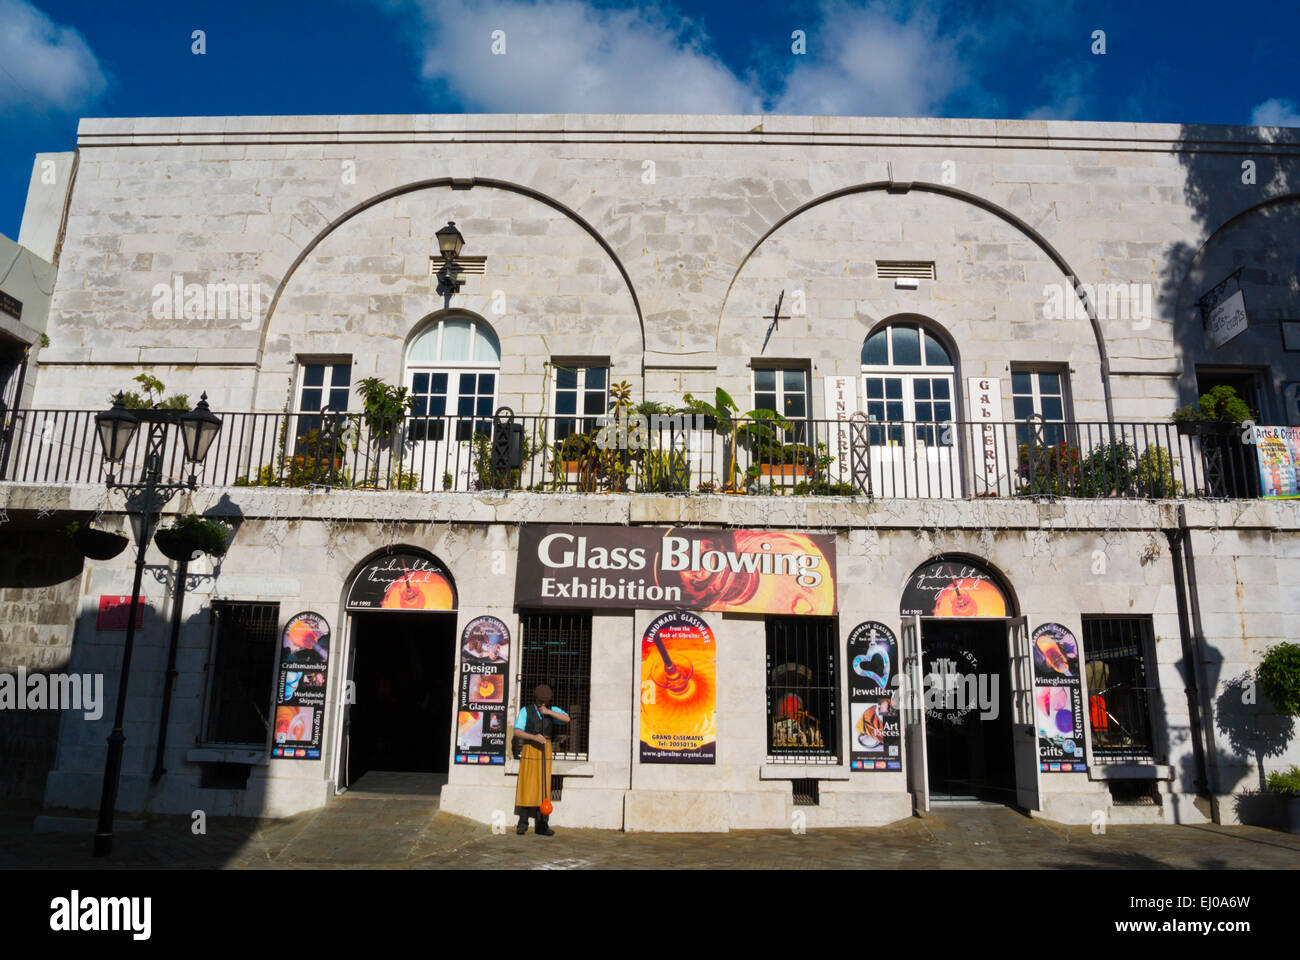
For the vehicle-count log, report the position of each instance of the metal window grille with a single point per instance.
(1120, 688)
(1134, 793)
(805, 793)
(241, 672)
(803, 688)
(557, 651)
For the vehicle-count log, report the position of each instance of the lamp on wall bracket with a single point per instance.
(450, 276)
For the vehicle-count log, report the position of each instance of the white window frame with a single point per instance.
(580, 366)
(327, 385)
(1036, 394)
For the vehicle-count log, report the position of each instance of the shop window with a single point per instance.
(803, 690)
(785, 390)
(1120, 674)
(241, 673)
(580, 399)
(556, 649)
(1042, 391)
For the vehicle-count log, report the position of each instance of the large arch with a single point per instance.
(897, 187)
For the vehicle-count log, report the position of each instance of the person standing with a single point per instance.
(535, 726)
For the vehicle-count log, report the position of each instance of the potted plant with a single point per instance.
(1278, 676)
(95, 544)
(191, 534)
(1219, 412)
(736, 428)
(1286, 784)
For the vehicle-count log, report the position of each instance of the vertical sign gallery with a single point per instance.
(873, 708)
(679, 672)
(1058, 700)
(481, 700)
(300, 690)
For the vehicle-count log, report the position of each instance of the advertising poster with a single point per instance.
(872, 656)
(953, 588)
(685, 568)
(115, 613)
(300, 692)
(402, 581)
(481, 701)
(1278, 452)
(1058, 700)
(679, 673)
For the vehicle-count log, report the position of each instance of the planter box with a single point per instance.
(782, 470)
(99, 544)
(1207, 428)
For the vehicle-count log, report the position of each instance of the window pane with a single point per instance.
(439, 383)
(922, 389)
(1022, 407)
(875, 388)
(594, 403)
(941, 389)
(943, 412)
(464, 406)
(466, 383)
(420, 383)
(313, 375)
(1021, 382)
(420, 407)
(566, 378)
(924, 411)
(486, 348)
(793, 381)
(765, 401)
(894, 411)
(597, 377)
(1049, 383)
(484, 406)
(455, 341)
(566, 402)
(339, 399)
(935, 354)
(1052, 408)
(893, 389)
(342, 375)
(487, 382)
(795, 406)
(764, 380)
(310, 400)
(907, 347)
(438, 405)
(875, 352)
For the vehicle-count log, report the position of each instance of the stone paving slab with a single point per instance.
(409, 832)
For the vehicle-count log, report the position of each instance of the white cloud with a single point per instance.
(874, 61)
(1067, 99)
(565, 56)
(45, 66)
(1275, 113)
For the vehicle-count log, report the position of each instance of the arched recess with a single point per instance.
(962, 568)
(987, 205)
(457, 184)
(402, 559)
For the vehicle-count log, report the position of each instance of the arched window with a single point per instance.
(909, 385)
(451, 370)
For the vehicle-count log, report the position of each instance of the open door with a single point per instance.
(1024, 725)
(918, 776)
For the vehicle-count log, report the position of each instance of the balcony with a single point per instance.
(676, 455)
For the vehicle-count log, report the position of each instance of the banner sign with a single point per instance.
(115, 613)
(872, 654)
(953, 588)
(1058, 700)
(1228, 318)
(481, 702)
(1278, 452)
(300, 692)
(684, 568)
(402, 581)
(986, 410)
(841, 394)
(679, 683)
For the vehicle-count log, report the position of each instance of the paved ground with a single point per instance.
(381, 830)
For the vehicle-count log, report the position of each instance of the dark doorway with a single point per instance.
(1244, 380)
(403, 671)
(969, 750)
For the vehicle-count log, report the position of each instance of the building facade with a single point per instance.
(974, 334)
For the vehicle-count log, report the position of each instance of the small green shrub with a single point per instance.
(1279, 677)
(210, 536)
(1155, 473)
(1219, 404)
(1285, 781)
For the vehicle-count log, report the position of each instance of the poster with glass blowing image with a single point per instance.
(1058, 700)
(679, 668)
(481, 695)
(876, 739)
(300, 690)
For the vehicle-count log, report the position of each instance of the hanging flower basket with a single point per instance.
(98, 544)
(190, 535)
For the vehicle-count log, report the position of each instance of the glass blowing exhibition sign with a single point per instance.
(736, 571)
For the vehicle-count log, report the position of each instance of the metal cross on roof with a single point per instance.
(776, 319)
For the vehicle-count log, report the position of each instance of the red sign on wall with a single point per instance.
(114, 612)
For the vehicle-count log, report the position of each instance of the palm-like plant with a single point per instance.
(753, 426)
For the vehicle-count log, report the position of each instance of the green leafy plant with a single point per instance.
(151, 385)
(210, 536)
(1285, 781)
(1155, 473)
(447, 481)
(1278, 675)
(737, 429)
(482, 447)
(824, 488)
(1049, 470)
(1218, 405)
(664, 471)
(1107, 471)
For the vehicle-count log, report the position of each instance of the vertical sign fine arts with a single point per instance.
(986, 410)
(1058, 700)
(481, 702)
(841, 404)
(872, 654)
(300, 694)
(679, 671)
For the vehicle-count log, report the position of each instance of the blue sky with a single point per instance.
(1190, 61)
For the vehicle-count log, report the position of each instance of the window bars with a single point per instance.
(241, 672)
(803, 690)
(1120, 687)
(557, 651)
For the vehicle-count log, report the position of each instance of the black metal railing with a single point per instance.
(677, 454)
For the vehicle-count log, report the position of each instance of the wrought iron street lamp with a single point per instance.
(450, 242)
(116, 428)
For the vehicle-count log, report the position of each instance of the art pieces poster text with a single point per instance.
(679, 674)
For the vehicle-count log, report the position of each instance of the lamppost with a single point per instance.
(450, 278)
(116, 429)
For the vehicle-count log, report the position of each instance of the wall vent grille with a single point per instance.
(913, 269)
